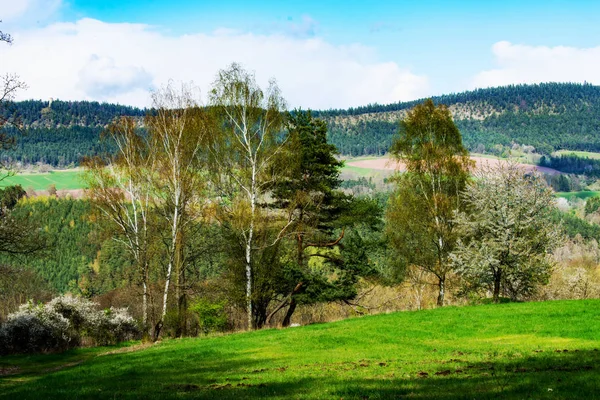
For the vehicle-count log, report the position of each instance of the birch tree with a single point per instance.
(122, 192)
(437, 169)
(244, 153)
(508, 232)
(179, 130)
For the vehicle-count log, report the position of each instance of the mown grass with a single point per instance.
(41, 181)
(518, 351)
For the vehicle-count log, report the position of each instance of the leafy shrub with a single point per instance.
(63, 323)
(211, 316)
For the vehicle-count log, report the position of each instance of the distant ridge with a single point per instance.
(547, 116)
(558, 94)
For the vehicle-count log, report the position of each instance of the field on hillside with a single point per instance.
(544, 350)
(63, 180)
(386, 163)
(583, 195)
(584, 154)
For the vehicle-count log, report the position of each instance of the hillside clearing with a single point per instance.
(583, 195)
(518, 350)
(63, 180)
(582, 154)
(387, 163)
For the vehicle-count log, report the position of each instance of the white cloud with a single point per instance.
(93, 60)
(102, 78)
(535, 64)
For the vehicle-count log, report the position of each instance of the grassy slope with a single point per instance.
(492, 351)
(62, 180)
(584, 195)
(584, 154)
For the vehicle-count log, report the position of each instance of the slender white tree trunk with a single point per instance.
(145, 304)
(249, 248)
(172, 255)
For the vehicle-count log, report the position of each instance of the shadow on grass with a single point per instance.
(568, 375)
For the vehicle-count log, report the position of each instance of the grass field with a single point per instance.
(354, 172)
(584, 195)
(62, 179)
(516, 351)
(595, 156)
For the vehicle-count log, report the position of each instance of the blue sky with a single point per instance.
(430, 47)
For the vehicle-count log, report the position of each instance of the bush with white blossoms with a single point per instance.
(63, 323)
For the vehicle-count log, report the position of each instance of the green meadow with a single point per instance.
(583, 195)
(512, 351)
(585, 154)
(40, 181)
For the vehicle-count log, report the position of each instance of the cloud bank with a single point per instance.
(120, 62)
(534, 64)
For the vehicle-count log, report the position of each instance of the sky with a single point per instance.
(323, 54)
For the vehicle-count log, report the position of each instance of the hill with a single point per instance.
(509, 351)
(549, 117)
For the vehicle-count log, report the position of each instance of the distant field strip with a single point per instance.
(584, 154)
(63, 180)
(583, 195)
(385, 163)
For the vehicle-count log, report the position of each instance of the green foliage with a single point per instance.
(66, 225)
(592, 205)
(10, 196)
(572, 164)
(508, 351)
(420, 220)
(322, 264)
(572, 225)
(548, 116)
(59, 146)
(211, 316)
(507, 233)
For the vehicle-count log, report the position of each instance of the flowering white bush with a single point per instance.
(61, 324)
(34, 328)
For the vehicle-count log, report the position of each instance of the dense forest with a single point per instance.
(549, 117)
(66, 225)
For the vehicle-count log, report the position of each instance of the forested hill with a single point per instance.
(57, 114)
(58, 132)
(549, 117)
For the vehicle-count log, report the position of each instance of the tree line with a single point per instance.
(549, 117)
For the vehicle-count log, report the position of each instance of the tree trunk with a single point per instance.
(497, 281)
(251, 325)
(145, 307)
(442, 292)
(260, 315)
(183, 314)
(249, 282)
(181, 293)
(157, 329)
(288, 315)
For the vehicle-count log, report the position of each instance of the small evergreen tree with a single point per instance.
(321, 214)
